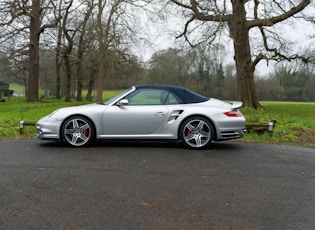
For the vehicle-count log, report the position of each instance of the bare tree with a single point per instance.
(239, 17)
(16, 13)
(82, 43)
(67, 49)
(58, 60)
(105, 36)
(72, 43)
(169, 66)
(115, 25)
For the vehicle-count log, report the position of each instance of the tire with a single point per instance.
(77, 131)
(196, 132)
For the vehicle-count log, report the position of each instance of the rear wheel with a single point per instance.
(196, 132)
(77, 131)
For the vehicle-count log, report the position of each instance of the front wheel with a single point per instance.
(196, 132)
(77, 131)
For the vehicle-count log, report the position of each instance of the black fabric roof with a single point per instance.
(185, 95)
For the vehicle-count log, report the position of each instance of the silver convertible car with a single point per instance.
(143, 112)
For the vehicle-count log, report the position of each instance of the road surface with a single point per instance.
(232, 185)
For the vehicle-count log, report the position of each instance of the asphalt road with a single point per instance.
(232, 185)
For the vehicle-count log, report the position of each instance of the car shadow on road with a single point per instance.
(226, 145)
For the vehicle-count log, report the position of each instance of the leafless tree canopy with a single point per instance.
(68, 46)
(210, 18)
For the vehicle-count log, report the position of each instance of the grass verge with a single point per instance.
(295, 121)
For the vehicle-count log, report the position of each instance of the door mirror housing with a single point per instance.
(123, 102)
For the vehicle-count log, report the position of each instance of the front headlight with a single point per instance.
(55, 116)
(50, 115)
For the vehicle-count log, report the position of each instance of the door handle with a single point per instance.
(157, 114)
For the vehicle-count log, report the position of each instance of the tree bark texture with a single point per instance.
(80, 52)
(33, 76)
(100, 78)
(104, 31)
(68, 78)
(67, 52)
(239, 32)
(58, 58)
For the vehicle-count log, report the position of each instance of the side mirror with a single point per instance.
(123, 102)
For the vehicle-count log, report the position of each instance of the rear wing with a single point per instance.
(236, 105)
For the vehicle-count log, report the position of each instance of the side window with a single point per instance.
(147, 97)
(172, 100)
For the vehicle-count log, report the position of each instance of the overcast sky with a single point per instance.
(163, 37)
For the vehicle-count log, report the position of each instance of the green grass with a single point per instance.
(20, 89)
(295, 122)
(295, 126)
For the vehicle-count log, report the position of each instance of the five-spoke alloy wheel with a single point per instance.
(196, 132)
(77, 131)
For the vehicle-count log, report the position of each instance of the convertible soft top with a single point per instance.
(184, 94)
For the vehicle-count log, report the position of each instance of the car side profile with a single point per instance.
(147, 112)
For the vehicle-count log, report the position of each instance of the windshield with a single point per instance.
(116, 97)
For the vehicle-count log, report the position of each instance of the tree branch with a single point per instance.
(186, 27)
(51, 25)
(181, 4)
(277, 55)
(273, 20)
(202, 16)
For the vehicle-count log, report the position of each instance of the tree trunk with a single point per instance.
(58, 59)
(90, 88)
(81, 51)
(100, 78)
(244, 66)
(93, 73)
(103, 34)
(80, 82)
(67, 52)
(58, 74)
(68, 78)
(33, 76)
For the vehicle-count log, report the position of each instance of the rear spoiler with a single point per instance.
(236, 105)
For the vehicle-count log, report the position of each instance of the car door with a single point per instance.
(143, 115)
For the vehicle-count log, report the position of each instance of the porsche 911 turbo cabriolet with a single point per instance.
(147, 112)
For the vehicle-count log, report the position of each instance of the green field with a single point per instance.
(20, 89)
(295, 121)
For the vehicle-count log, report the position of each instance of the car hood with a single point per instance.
(87, 106)
(81, 109)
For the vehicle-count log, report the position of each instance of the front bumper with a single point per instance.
(46, 129)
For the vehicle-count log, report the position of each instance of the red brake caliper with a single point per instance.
(86, 132)
(187, 132)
